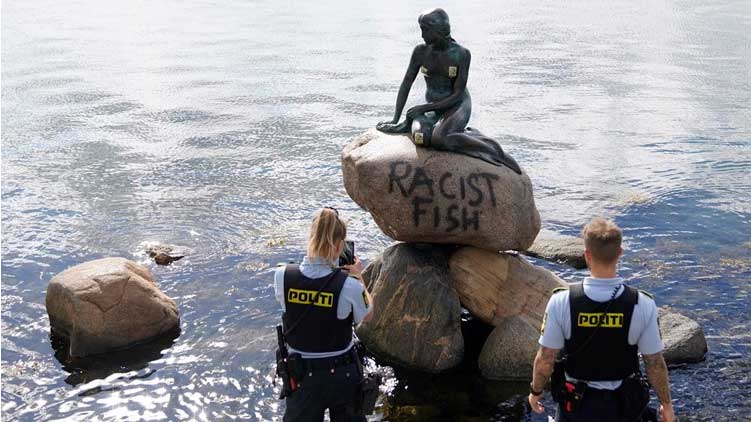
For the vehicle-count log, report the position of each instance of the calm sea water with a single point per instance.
(217, 126)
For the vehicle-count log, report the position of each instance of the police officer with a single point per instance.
(601, 325)
(321, 303)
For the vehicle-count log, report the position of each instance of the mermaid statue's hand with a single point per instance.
(394, 127)
(416, 111)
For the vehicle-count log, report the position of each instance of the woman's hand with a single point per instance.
(355, 269)
(416, 111)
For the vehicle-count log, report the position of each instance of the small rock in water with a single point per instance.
(557, 247)
(683, 337)
(164, 259)
(108, 304)
(163, 254)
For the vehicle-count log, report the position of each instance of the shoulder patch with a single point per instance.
(646, 293)
(559, 289)
(365, 299)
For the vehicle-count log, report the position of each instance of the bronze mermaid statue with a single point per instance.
(441, 122)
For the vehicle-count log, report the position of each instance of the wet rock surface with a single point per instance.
(165, 254)
(417, 313)
(422, 195)
(108, 304)
(509, 351)
(555, 247)
(683, 337)
(495, 286)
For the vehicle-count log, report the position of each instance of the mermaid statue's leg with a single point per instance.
(449, 134)
(422, 128)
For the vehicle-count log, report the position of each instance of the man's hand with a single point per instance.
(657, 372)
(534, 403)
(543, 368)
(666, 413)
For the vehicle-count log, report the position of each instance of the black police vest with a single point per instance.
(607, 356)
(318, 330)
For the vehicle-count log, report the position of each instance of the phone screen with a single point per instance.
(348, 254)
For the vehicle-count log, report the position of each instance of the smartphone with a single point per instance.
(348, 254)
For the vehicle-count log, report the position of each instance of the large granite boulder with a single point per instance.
(559, 248)
(509, 351)
(417, 314)
(422, 195)
(108, 304)
(496, 286)
(683, 337)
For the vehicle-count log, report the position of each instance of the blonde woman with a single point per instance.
(321, 302)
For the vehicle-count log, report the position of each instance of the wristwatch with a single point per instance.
(533, 392)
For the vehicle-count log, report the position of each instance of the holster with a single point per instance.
(283, 373)
(367, 392)
(574, 396)
(287, 365)
(633, 395)
(557, 381)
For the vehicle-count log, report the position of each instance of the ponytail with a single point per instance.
(327, 229)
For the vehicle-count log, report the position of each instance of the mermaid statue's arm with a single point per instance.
(409, 78)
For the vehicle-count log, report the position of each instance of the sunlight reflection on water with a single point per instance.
(219, 128)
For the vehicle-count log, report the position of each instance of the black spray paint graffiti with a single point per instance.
(468, 192)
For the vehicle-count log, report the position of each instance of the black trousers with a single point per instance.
(320, 389)
(596, 406)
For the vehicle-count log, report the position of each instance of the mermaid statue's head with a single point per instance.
(435, 26)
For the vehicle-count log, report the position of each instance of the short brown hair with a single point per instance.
(326, 230)
(602, 238)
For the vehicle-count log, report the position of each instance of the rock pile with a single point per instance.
(457, 215)
(440, 202)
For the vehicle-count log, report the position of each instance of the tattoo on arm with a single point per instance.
(543, 368)
(657, 372)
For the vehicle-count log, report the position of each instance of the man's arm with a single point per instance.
(543, 368)
(657, 372)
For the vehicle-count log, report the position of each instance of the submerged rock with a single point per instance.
(683, 337)
(496, 286)
(559, 248)
(509, 351)
(164, 254)
(424, 195)
(108, 304)
(417, 314)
